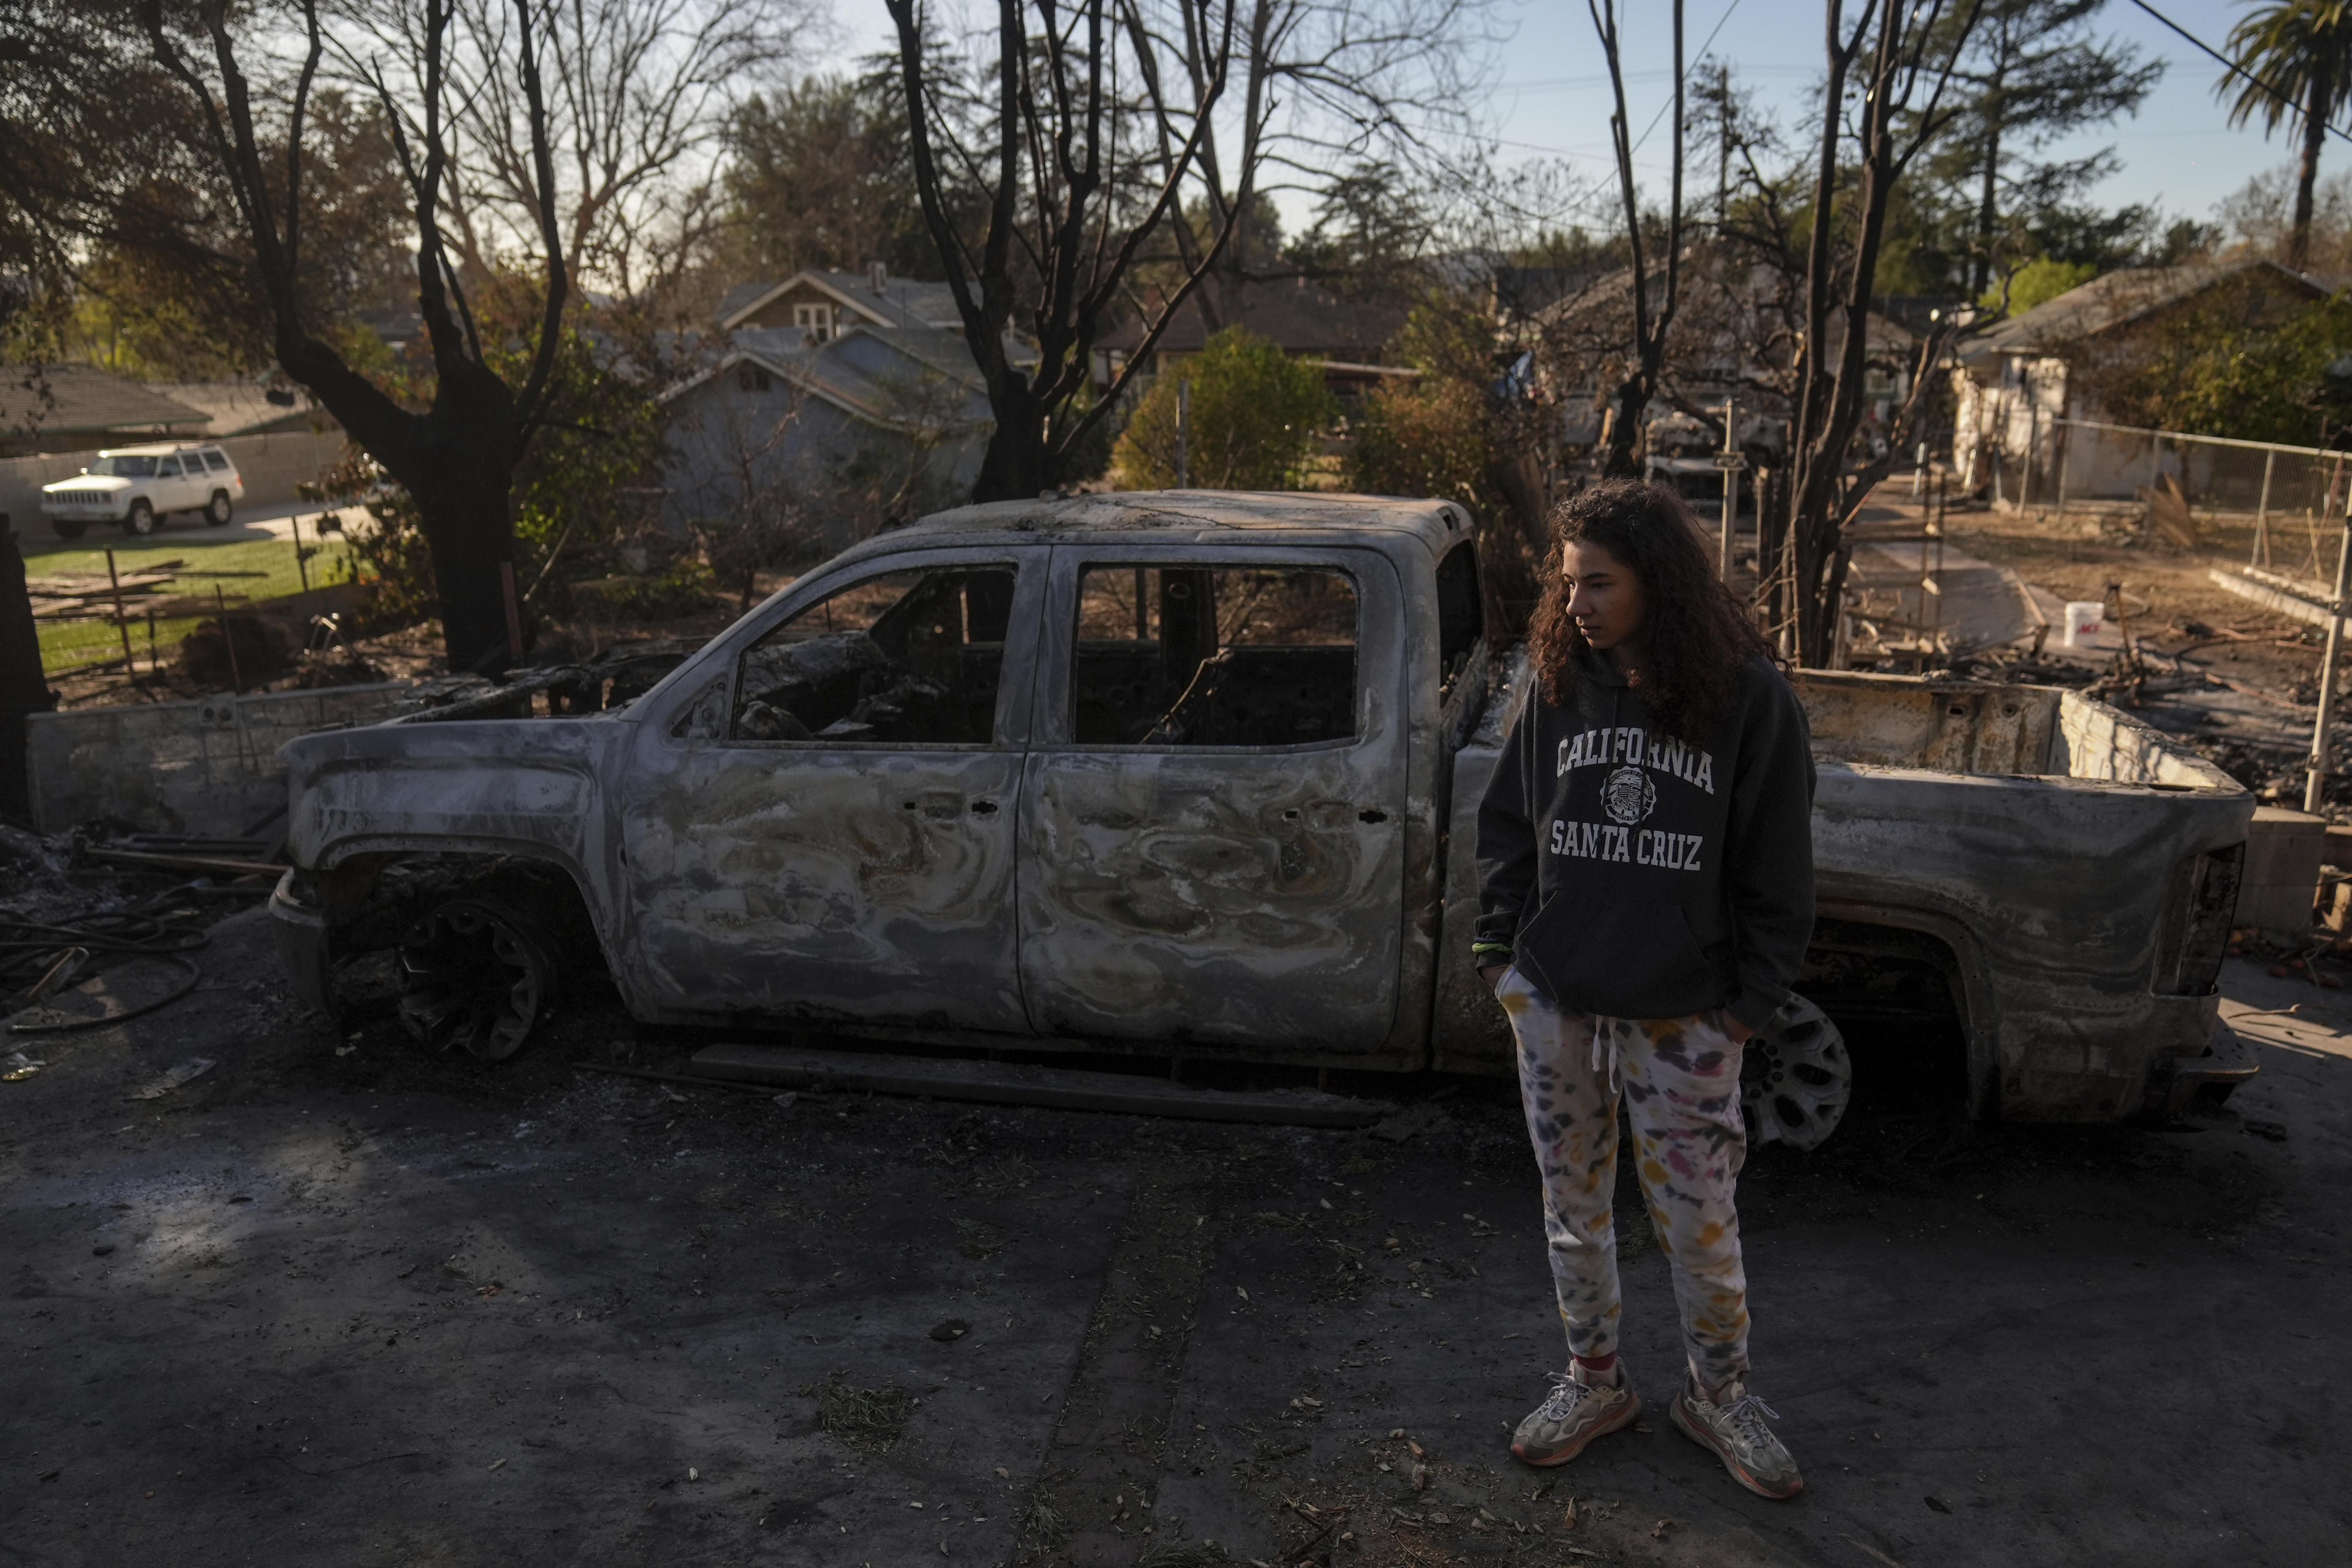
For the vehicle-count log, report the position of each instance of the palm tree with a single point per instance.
(2298, 56)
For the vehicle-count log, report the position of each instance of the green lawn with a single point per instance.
(245, 572)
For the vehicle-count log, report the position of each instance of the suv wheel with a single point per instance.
(140, 520)
(70, 527)
(216, 510)
(477, 975)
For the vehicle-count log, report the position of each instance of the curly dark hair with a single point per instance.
(1699, 634)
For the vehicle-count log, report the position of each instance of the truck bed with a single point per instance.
(1963, 727)
(2069, 874)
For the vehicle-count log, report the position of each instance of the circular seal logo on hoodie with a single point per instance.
(1628, 795)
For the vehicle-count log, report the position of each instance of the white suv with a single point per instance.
(137, 486)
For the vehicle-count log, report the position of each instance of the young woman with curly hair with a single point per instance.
(1645, 858)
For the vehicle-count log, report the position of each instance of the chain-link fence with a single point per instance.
(2287, 492)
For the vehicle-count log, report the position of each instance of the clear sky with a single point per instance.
(1550, 97)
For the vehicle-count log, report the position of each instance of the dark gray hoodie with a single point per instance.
(1632, 876)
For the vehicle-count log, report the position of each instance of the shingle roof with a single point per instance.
(740, 296)
(2113, 300)
(242, 407)
(79, 399)
(866, 370)
(903, 302)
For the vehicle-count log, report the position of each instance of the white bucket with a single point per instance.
(2085, 619)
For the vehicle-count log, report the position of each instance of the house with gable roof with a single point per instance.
(823, 304)
(831, 427)
(2012, 380)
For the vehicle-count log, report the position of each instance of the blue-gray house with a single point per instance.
(824, 434)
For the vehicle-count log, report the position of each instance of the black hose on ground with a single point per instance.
(160, 927)
(65, 1025)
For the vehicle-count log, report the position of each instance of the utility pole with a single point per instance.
(2315, 782)
(1730, 460)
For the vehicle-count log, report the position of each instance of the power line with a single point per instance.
(1661, 73)
(1727, 10)
(2233, 66)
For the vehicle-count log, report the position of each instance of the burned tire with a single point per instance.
(477, 975)
(1795, 1077)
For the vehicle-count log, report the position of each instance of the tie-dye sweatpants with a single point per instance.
(1681, 1087)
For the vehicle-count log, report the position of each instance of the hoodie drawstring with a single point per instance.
(1606, 1057)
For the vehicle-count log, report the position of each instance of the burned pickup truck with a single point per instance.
(1192, 775)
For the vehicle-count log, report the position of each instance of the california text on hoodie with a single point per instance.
(1634, 876)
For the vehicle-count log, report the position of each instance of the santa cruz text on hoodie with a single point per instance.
(1635, 874)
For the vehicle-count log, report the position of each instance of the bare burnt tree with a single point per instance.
(1078, 166)
(1332, 93)
(1894, 67)
(457, 458)
(1652, 319)
(1826, 485)
(638, 97)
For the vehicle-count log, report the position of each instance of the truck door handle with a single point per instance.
(1371, 813)
(942, 804)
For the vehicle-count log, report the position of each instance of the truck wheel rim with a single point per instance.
(474, 978)
(1795, 1077)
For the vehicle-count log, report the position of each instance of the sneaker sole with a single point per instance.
(1705, 1439)
(1632, 1412)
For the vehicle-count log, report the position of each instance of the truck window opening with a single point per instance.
(903, 658)
(1213, 655)
(1460, 619)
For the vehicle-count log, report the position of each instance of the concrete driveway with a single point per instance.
(331, 1302)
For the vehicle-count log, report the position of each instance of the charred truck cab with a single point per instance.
(1192, 773)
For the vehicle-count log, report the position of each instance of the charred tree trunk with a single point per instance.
(470, 524)
(1014, 465)
(1650, 326)
(457, 462)
(23, 689)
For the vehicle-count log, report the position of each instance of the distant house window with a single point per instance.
(817, 320)
(751, 378)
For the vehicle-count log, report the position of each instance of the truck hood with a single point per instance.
(508, 785)
(109, 482)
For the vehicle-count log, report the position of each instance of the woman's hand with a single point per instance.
(1740, 1033)
(1492, 973)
